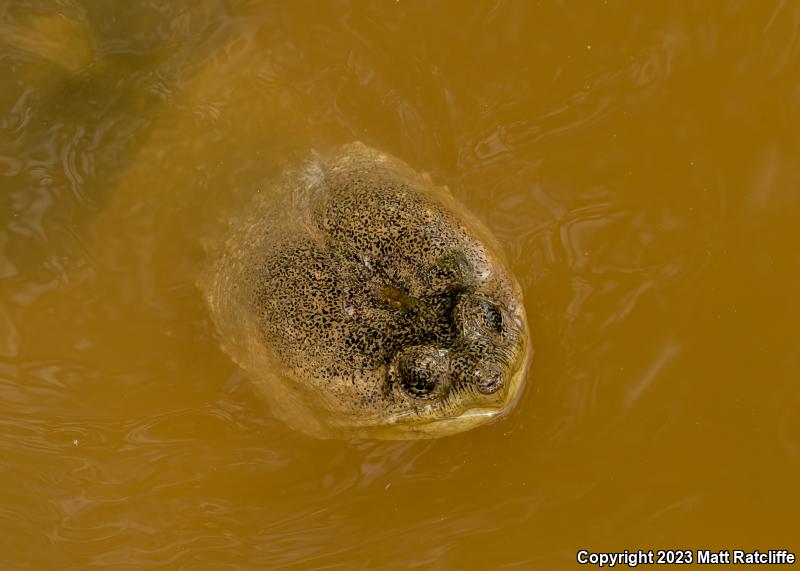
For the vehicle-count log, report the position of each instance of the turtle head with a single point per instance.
(367, 302)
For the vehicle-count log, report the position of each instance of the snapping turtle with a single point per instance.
(367, 302)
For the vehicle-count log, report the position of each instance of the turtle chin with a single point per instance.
(403, 427)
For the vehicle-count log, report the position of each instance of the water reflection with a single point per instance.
(635, 161)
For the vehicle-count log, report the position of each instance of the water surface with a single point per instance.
(638, 162)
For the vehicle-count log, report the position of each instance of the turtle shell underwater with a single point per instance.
(366, 302)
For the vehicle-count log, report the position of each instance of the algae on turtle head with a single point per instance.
(366, 302)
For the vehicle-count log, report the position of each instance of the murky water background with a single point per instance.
(638, 161)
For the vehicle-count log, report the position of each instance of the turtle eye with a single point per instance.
(489, 380)
(492, 316)
(418, 382)
(475, 315)
(479, 370)
(423, 372)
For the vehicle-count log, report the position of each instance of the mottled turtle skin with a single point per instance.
(366, 302)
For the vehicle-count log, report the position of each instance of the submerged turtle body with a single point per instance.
(367, 302)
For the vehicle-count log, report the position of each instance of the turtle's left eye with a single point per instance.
(423, 372)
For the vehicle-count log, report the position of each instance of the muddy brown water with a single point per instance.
(639, 162)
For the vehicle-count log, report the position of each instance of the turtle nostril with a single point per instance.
(476, 316)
